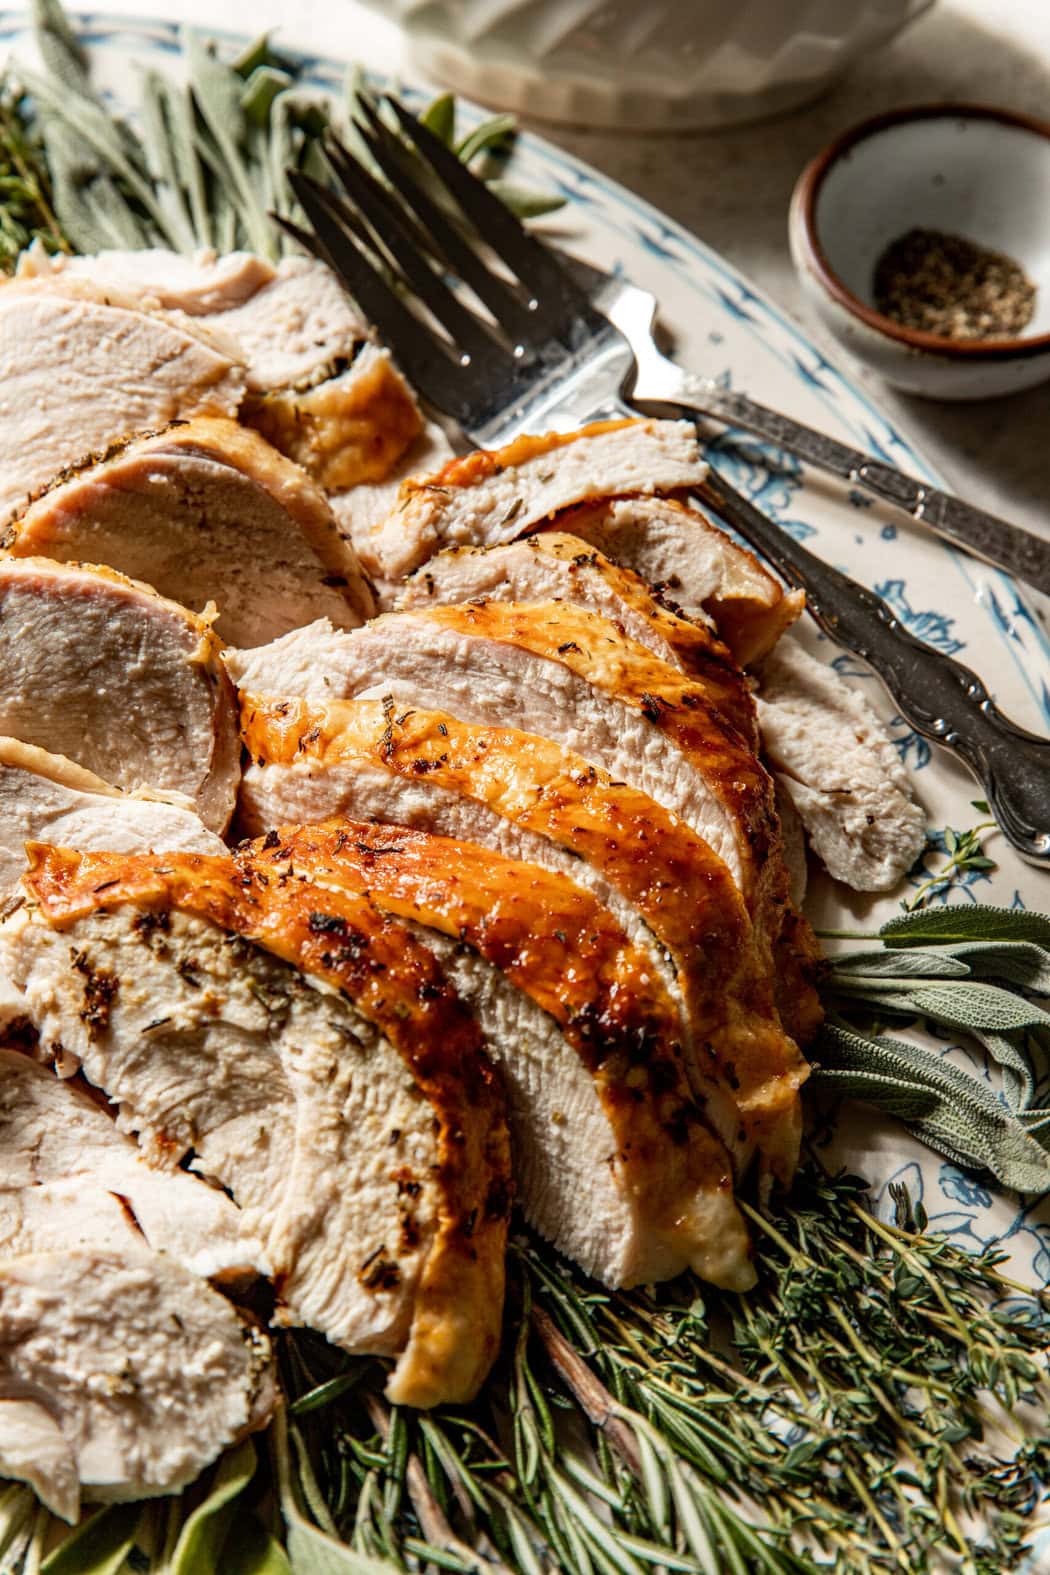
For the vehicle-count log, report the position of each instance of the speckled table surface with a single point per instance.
(732, 187)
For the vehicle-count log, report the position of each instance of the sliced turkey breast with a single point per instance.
(122, 1375)
(554, 566)
(840, 770)
(102, 669)
(569, 675)
(360, 508)
(206, 511)
(528, 798)
(692, 567)
(69, 1178)
(199, 285)
(614, 1162)
(81, 368)
(490, 497)
(312, 1058)
(46, 798)
(295, 327)
(552, 669)
(350, 429)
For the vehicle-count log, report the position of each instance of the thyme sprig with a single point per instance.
(965, 854)
(26, 202)
(877, 1404)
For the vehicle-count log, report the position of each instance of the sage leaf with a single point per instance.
(440, 118)
(217, 95)
(260, 90)
(60, 49)
(523, 201)
(258, 53)
(490, 134)
(202, 1535)
(947, 1108)
(974, 922)
(901, 964)
(161, 145)
(249, 1549)
(99, 1546)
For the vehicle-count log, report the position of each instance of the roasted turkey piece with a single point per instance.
(313, 1058)
(608, 485)
(552, 567)
(528, 798)
(314, 385)
(70, 1178)
(46, 798)
(82, 367)
(206, 511)
(614, 1159)
(570, 675)
(122, 1375)
(129, 685)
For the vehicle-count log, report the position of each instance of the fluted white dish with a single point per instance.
(645, 64)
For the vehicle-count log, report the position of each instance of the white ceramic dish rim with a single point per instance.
(806, 201)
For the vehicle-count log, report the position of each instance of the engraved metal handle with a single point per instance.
(937, 696)
(1023, 555)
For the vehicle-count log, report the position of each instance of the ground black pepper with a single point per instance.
(944, 284)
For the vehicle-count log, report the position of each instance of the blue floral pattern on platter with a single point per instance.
(944, 597)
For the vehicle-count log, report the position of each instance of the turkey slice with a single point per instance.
(130, 685)
(311, 1057)
(206, 511)
(613, 1159)
(122, 1375)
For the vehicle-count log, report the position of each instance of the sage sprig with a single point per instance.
(970, 971)
(203, 164)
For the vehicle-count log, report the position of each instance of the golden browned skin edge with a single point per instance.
(683, 708)
(750, 608)
(682, 890)
(751, 613)
(351, 429)
(556, 943)
(337, 935)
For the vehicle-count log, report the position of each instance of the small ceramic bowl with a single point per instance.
(966, 169)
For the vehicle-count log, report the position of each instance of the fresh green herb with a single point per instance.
(26, 200)
(209, 164)
(936, 969)
(964, 853)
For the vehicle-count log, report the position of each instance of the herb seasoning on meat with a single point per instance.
(944, 284)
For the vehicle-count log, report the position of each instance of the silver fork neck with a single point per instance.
(582, 386)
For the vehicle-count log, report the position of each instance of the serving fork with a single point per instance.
(549, 352)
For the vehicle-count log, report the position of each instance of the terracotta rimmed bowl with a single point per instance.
(967, 169)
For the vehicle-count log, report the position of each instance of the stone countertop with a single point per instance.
(732, 187)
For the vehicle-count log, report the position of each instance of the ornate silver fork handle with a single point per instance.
(937, 696)
(985, 535)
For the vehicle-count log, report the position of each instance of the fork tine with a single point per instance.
(500, 299)
(384, 216)
(526, 257)
(423, 360)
